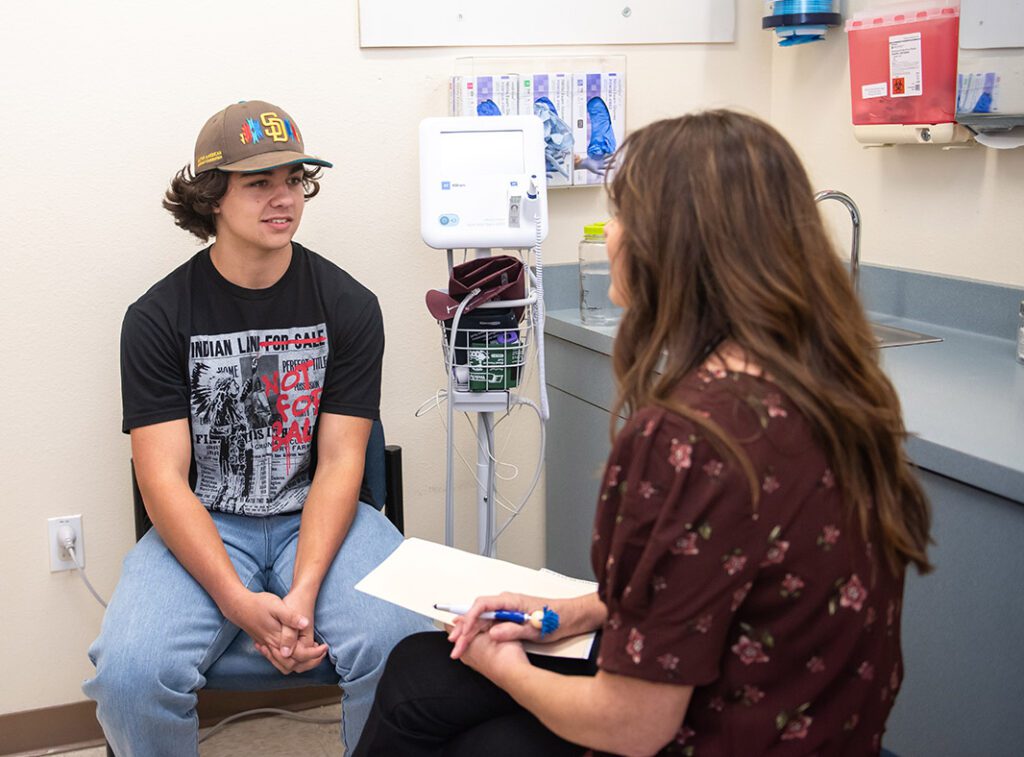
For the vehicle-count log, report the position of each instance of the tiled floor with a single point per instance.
(265, 737)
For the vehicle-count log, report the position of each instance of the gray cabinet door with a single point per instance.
(577, 448)
(963, 693)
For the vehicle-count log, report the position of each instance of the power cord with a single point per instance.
(536, 476)
(268, 711)
(435, 402)
(66, 539)
(514, 510)
(545, 412)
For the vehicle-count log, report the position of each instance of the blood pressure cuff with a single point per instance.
(501, 277)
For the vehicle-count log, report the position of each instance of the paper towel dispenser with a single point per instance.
(990, 70)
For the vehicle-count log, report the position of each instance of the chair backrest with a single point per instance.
(375, 469)
(382, 480)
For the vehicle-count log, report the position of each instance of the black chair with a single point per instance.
(233, 670)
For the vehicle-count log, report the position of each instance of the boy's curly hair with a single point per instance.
(191, 198)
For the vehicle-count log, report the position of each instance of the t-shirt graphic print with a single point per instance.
(255, 397)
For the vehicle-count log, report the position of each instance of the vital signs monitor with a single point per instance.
(476, 175)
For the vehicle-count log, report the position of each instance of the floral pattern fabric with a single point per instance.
(779, 615)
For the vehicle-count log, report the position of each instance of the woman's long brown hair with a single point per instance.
(722, 241)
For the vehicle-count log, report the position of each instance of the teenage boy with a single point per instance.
(257, 364)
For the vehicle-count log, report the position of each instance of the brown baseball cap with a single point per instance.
(251, 135)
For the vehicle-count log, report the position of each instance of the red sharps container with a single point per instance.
(903, 63)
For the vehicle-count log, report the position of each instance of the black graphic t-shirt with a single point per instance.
(252, 369)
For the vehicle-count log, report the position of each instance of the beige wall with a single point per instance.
(102, 104)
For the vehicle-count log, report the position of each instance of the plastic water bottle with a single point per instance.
(595, 278)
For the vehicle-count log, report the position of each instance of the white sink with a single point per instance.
(890, 336)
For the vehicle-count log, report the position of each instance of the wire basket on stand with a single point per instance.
(490, 346)
(489, 349)
(486, 351)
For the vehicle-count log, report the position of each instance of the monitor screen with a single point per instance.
(466, 153)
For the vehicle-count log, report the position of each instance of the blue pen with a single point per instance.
(545, 620)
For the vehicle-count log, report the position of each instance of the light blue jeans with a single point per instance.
(162, 631)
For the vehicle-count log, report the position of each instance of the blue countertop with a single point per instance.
(963, 398)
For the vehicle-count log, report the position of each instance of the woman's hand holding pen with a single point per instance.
(467, 627)
(578, 615)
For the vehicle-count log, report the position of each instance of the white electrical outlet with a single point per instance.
(60, 559)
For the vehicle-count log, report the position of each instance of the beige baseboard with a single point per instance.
(74, 726)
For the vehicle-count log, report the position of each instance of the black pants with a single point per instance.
(429, 704)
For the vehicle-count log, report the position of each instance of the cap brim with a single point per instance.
(275, 159)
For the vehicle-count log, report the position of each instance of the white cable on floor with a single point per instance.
(81, 572)
(268, 711)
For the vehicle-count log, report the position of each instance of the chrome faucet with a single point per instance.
(832, 194)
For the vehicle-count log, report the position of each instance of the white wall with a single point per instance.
(102, 103)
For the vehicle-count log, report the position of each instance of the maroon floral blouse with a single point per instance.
(782, 617)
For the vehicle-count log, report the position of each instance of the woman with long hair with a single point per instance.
(757, 512)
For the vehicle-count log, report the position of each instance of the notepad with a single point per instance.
(421, 573)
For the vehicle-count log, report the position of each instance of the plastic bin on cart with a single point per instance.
(903, 64)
